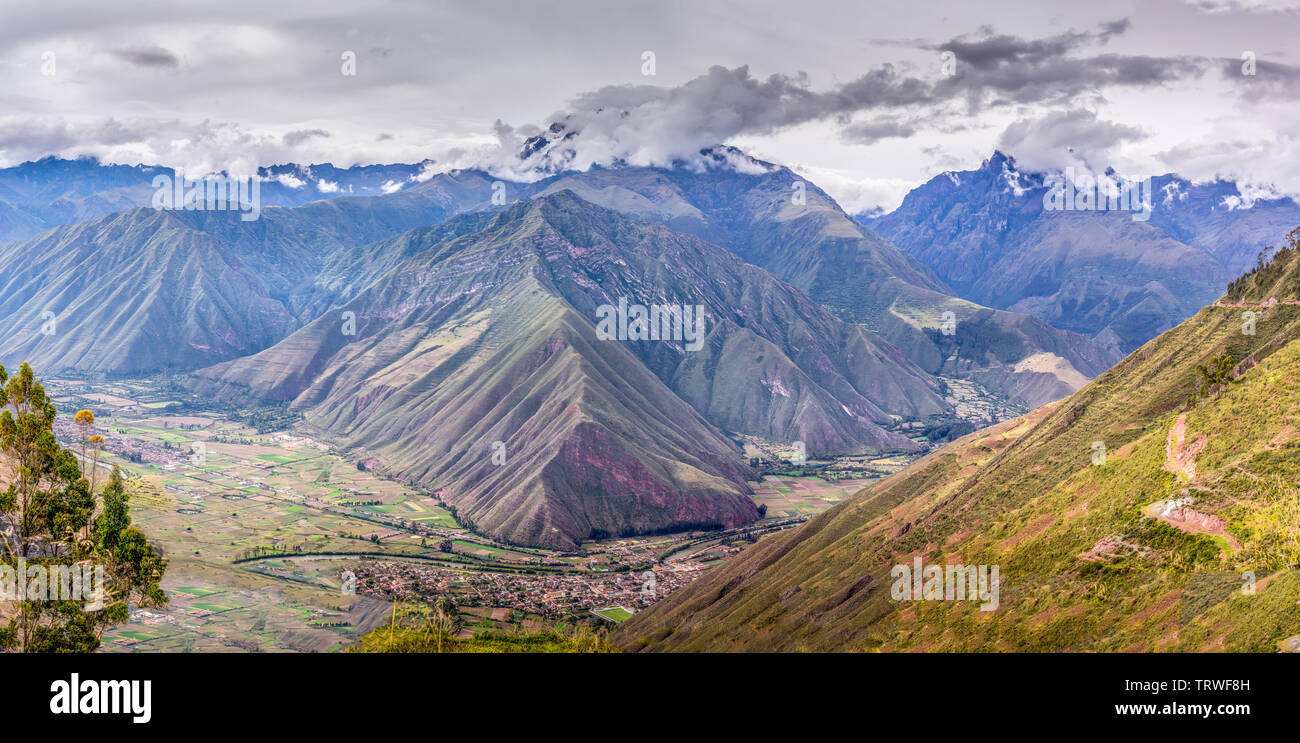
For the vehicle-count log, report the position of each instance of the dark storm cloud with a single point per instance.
(1001, 68)
(1261, 79)
(987, 49)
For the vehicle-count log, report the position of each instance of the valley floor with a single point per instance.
(261, 530)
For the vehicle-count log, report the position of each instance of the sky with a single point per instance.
(867, 99)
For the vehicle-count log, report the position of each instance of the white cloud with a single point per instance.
(209, 89)
(1073, 138)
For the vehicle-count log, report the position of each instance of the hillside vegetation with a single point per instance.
(1182, 537)
(421, 629)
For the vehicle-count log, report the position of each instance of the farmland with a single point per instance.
(261, 529)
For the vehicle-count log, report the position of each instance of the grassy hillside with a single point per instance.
(1143, 552)
(421, 640)
(422, 629)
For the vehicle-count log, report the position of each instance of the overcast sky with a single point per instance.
(852, 94)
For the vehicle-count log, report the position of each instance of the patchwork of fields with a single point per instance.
(262, 529)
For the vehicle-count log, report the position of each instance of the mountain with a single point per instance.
(1218, 218)
(1103, 274)
(1154, 509)
(818, 331)
(774, 219)
(491, 336)
(146, 289)
(52, 191)
(745, 205)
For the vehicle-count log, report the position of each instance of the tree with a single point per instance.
(1216, 374)
(96, 443)
(45, 506)
(115, 517)
(38, 470)
(84, 420)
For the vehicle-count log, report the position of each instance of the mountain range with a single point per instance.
(146, 289)
(1118, 279)
(435, 323)
(1154, 509)
(487, 334)
(49, 192)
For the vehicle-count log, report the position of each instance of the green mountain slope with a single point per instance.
(1184, 537)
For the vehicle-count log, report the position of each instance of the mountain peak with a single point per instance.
(998, 162)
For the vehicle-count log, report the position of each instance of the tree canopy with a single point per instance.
(53, 524)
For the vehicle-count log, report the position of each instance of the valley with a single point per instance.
(361, 406)
(260, 521)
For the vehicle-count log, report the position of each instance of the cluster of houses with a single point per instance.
(549, 595)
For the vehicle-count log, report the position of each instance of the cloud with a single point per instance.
(295, 138)
(857, 195)
(1261, 164)
(672, 126)
(155, 57)
(1246, 6)
(993, 69)
(435, 75)
(196, 147)
(874, 130)
(1070, 138)
(986, 49)
(1267, 80)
